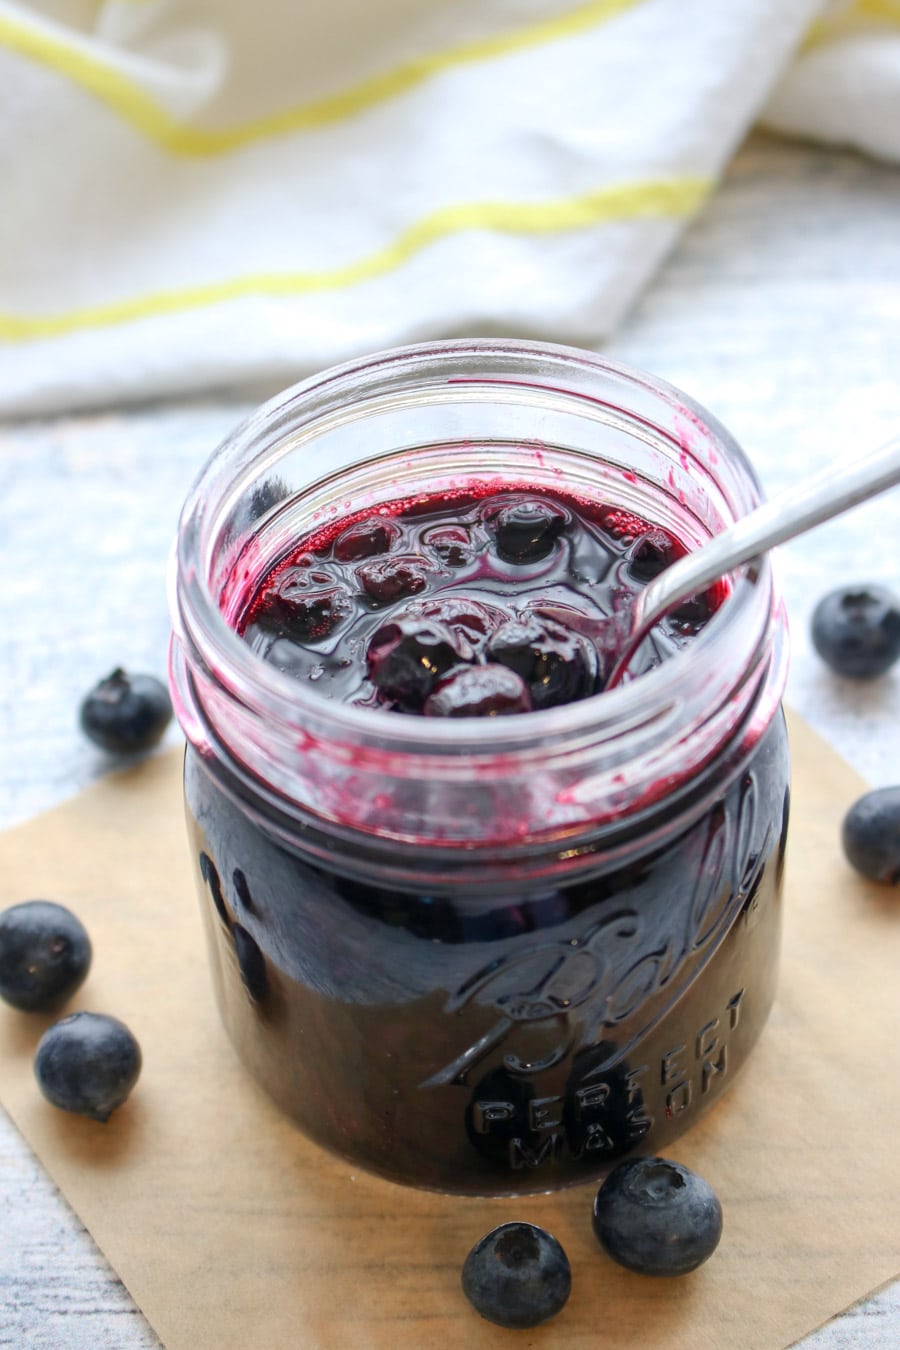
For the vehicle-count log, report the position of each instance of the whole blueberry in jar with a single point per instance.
(513, 926)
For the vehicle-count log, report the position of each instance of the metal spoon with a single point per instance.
(792, 512)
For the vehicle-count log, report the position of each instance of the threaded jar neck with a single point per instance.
(437, 417)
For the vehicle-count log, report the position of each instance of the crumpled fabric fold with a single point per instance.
(202, 193)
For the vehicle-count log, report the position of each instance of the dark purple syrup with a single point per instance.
(505, 1035)
(466, 604)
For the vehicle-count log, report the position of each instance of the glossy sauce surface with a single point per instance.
(469, 604)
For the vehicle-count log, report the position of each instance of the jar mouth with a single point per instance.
(587, 412)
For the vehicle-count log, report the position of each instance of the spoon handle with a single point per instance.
(794, 511)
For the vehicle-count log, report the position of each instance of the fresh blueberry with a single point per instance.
(45, 954)
(871, 835)
(657, 1217)
(406, 658)
(558, 666)
(526, 530)
(365, 539)
(305, 605)
(856, 630)
(385, 580)
(478, 691)
(87, 1063)
(126, 713)
(517, 1276)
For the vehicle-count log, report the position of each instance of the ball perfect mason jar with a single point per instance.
(492, 955)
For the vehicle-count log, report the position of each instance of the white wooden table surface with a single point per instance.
(780, 311)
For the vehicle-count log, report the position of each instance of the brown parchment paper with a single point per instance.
(230, 1230)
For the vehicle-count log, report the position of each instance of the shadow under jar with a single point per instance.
(483, 955)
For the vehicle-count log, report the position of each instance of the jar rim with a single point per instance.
(644, 712)
(224, 649)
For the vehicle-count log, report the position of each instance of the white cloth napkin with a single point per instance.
(196, 193)
(844, 85)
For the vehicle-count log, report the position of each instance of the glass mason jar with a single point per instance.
(491, 955)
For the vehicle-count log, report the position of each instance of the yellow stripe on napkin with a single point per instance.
(664, 197)
(76, 62)
(859, 16)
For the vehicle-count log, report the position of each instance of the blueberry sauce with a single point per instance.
(486, 1024)
(458, 604)
(511, 1034)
